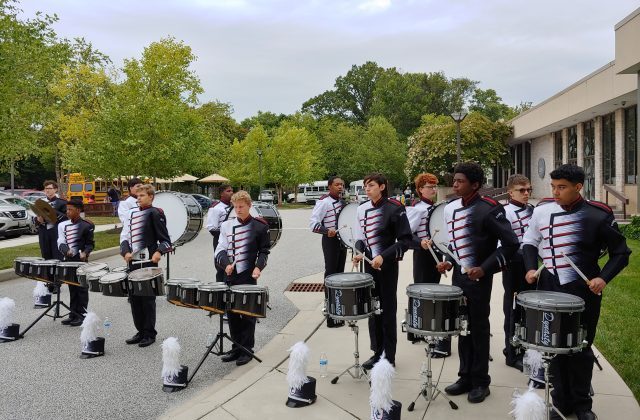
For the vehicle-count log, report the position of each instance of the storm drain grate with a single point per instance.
(305, 287)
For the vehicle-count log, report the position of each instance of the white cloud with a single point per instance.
(374, 5)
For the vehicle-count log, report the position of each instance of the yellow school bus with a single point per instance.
(86, 188)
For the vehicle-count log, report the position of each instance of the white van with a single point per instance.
(356, 191)
(309, 193)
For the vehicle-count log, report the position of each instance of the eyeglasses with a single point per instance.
(49, 188)
(431, 187)
(524, 190)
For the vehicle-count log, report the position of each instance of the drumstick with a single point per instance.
(538, 271)
(435, 257)
(446, 249)
(577, 270)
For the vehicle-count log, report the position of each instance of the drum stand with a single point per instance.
(359, 370)
(429, 390)
(54, 305)
(219, 351)
(548, 404)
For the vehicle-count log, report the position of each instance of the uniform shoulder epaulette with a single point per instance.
(261, 220)
(214, 203)
(546, 200)
(159, 210)
(322, 197)
(489, 200)
(89, 221)
(600, 205)
(396, 202)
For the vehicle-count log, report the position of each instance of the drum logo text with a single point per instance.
(338, 298)
(547, 319)
(414, 313)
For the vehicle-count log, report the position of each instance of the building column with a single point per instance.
(597, 155)
(565, 146)
(619, 149)
(580, 143)
(637, 209)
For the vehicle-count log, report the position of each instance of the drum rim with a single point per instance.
(432, 333)
(553, 350)
(24, 259)
(248, 288)
(352, 205)
(93, 275)
(212, 287)
(94, 265)
(434, 296)
(577, 306)
(179, 281)
(46, 262)
(137, 275)
(181, 240)
(364, 280)
(71, 264)
(188, 286)
(109, 280)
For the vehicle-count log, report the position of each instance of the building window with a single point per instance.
(608, 149)
(573, 145)
(631, 144)
(519, 163)
(527, 160)
(589, 164)
(557, 149)
(512, 170)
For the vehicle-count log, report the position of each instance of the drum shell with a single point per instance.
(93, 280)
(146, 282)
(430, 316)
(213, 298)
(22, 265)
(189, 294)
(116, 286)
(249, 301)
(349, 296)
(87, 269)
(546, 330)
(43, 270)
(66, 272)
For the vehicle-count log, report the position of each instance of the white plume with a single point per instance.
(170, 357)
(381, 377)
(533, 359)
(528, 406)
(298, 359)
(90, 327)
(40, 290)
(7, 305)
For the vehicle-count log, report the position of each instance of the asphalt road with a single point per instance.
(42, 376)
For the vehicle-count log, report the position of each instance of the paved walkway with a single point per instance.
(33, 239)
(259, 390)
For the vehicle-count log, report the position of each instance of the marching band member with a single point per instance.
(218, 213)
(324, 220)
(48, 232)
(383, 235)
(243, 250)
(518, 212)
(131, 201)
(475, 224)
(580, 229)
(75, 242)
(144, 229)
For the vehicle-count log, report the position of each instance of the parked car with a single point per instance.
(34, 195)
(26, 204)
(266, 195)
(13, 220)
(203, 200)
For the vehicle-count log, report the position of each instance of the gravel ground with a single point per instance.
(42, 375)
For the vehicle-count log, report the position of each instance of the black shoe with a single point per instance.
(243, 359)
(67, 321)
(586, 415)
(147, 341)
(368, 365)
(76, 322)
(478, 394)
(458, 388)
(231, 356)
(134, 340)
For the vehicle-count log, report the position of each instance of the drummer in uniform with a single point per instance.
(382, 235)
(324, 220)
(218, 213)
(243, 250)
(475, 224)
(48, 232)
(144, 230)
(131, 201)
(75, 242)
(580, 229)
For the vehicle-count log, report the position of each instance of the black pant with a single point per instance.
(242, 328)
(473, 349)
(513, 282)
(571, 374)
(383, 331)
(78, 301)
(335, 255)
(219, 270)
(48, 239)
(143, 310)
(424, 267)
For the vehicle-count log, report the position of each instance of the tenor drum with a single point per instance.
(189, 294)
(44, 270)
(349, 296)
(173, 289)
(184, 215)
(250, 300)
(93, 280)
(270, 214)
(212, 297)
(114, 284)
(120, 269)
(87, 269)
(22, 265)
(437, 229)
(433, 309)
(66, 272)
(146, 282)
(549, 322)
(348, 225)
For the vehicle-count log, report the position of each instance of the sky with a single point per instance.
(261, 55)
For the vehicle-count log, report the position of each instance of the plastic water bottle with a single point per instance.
(106, 325)
(324, 362)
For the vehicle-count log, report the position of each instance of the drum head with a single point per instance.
(182, 281)
(98, 274)
(207, 287)
(92, 267)
(348, 280)
(46, 263)
(248, 288)
(120, 269)
(71, 264)
(182, 211)
(112, 278)
(145, 273)
(553, 301)
(348, 224)
(24, 259)
(269, 213)
(434, 291)
(437, 228)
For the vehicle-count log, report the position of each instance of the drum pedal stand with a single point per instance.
(55, 305)
(429, 390)
(219, 351)
(548, 404)
(359, 370)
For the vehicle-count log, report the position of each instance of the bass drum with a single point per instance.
(437, 229)
(184, 215)
(348, 225)
(268, 212)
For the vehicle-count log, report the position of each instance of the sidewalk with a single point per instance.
(33, 239)
(259, 390)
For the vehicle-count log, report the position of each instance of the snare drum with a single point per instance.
(173, 289)
(349, 296)
(114, 284)
(66, 272)
(44, 270)
(93, 280)
(550, 322)
(87, 269)
(250, 300)
(22, 265)
(434, 309)
(189, 293)
(212, 297)
(146, 282)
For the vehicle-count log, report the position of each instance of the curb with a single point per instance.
(9, 273)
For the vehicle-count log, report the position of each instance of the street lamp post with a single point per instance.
(259, 152)
(458, 116)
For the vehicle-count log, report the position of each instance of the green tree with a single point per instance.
(242, 163)
(381, 150)
(268, 120)
(488, 103)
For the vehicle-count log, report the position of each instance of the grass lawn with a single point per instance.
(104, 220)
(7, 255)
(286, 206)
(618, 334)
